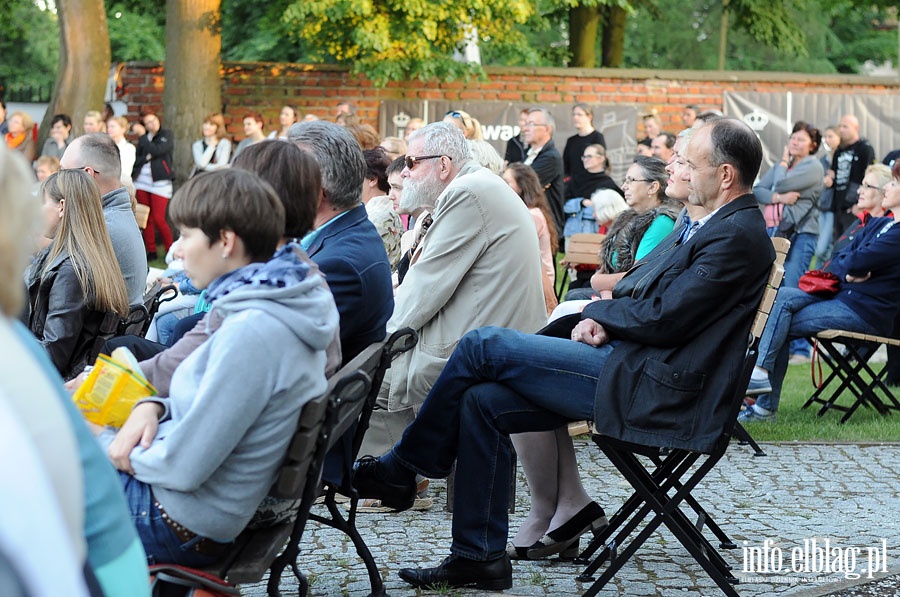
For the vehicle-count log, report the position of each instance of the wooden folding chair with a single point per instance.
(851, 373)
(581, 249)
(673, 474)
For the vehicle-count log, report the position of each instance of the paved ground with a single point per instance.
(847, 494)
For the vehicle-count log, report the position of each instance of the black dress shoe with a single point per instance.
(457, 572)
(371, 483)
(590, 518)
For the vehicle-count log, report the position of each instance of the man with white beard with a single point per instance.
(478, 265)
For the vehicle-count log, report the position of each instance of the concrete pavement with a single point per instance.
(793, 500)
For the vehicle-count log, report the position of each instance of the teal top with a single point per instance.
(661, 227)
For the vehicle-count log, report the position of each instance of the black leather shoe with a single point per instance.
(371, 483)
(456, 572)
(590, 518)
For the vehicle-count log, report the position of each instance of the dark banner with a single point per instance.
(499, 123)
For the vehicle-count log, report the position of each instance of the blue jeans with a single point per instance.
(497, 382)
(160, 542)
(797, 314)
(803, 247)
(826, 238)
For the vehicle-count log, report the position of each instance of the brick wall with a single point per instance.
(317, 89)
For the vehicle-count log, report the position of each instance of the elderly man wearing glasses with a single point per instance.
(479, 265)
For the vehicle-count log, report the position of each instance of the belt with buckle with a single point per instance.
(204, 546)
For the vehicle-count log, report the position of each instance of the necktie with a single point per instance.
(685, 228)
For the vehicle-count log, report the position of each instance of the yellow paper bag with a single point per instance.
(110, 392)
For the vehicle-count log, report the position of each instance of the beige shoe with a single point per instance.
(422, 502)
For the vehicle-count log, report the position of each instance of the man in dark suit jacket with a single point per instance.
(653, 367)
(348, 250)
(546, 161)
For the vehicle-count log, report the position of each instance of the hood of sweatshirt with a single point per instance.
(285, 288)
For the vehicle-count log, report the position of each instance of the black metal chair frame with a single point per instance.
(847, 370)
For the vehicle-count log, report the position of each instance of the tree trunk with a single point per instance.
(614, 37)
(84, 61)
(193, 84)
(584, 26)
(723, 35)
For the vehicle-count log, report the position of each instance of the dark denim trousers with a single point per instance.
(497, 382)
(160, 542)
(797, 314)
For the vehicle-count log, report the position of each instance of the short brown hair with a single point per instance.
(235, 200)
(294, 174)
(217, 119)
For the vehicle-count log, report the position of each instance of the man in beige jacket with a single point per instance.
(479, 265)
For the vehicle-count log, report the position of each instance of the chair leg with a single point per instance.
(744, 439)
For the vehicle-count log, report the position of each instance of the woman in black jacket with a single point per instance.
(153, 175)
(76, 281)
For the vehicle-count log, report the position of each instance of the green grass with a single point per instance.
(796, 424)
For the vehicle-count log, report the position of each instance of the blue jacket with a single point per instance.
(871, 250)
(350, 253)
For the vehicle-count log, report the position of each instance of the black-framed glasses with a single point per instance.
(530, 125)
(589, 157)
(89, 169)
(411, 161)
(871, 186)
(629, 180)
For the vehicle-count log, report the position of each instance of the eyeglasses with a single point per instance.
(91, 171)
(529, 125)
(411, 161)
(588, 157)
(629, 180)
(871, 186)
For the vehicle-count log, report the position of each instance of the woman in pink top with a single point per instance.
(523, 180)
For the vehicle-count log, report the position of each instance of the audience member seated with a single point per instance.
(635, 232)
(253, 131)
(480, 250)
(652, 368)
(470, 127)
(44, 166)
(525, 183)
(287, 117)
(45, 416)
(869, 274)
(97, 155)
(19, 136)
(484, 154)
(394, 147)
(213, 151)
(196, 464)
(869, 203)
(379, 207)
(59, 138)
(365, 135)
(76, 280)
(548, 458)
(579, 207)
(93, 123)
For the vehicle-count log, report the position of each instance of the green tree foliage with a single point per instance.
(838, 36)
(396, 40)
(257, 31)
(29, 45)
(137, 31)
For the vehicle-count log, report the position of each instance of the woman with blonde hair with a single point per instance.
(19, 138)
(76, 280)
(213, 151)
(117, 128)
(470, 127)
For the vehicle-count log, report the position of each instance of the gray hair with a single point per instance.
(101, 153)
(444, 138)
(548, 118)
(485, 154)
(339, 157)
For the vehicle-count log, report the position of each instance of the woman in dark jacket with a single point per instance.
(76, 281)
(153, 175)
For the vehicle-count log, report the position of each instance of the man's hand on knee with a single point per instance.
(590, 332)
